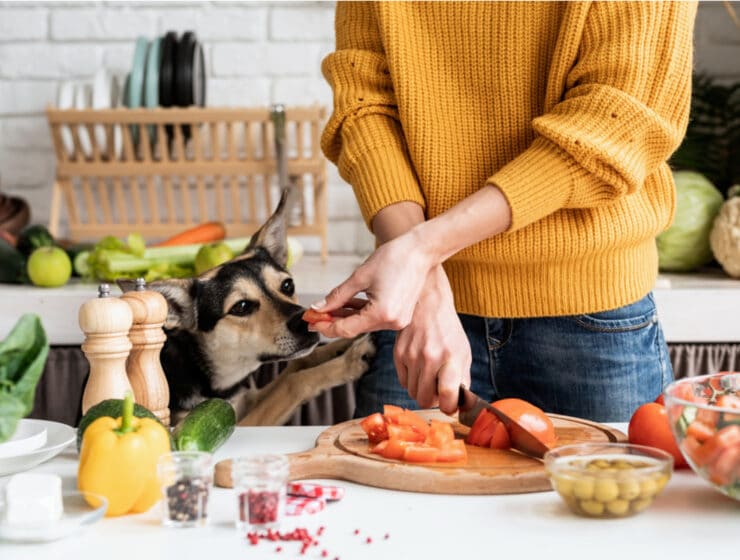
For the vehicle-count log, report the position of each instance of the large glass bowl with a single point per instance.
(704, 413)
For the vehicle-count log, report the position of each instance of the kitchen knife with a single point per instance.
(470, 405)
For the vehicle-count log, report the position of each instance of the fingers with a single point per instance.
(345, 327)
(449, 378)
(399, 357)
(342, 295)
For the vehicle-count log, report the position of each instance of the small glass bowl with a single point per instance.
(608, 480)
(186, 478)
(705, 418)
(260, 483)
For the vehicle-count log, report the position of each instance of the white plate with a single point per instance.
(105, 95)
(58, 436)
(66, 100)
(77, 514)
(28, 436)
(83, 100)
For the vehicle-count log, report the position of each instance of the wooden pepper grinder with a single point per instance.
(106, 322)
(144, 368)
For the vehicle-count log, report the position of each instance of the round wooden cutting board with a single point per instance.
(342, 452)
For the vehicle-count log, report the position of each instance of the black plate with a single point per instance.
(199, 76)
(184, 74)
(167, 69)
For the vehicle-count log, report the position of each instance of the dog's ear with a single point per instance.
(180, 296)
(272, 236)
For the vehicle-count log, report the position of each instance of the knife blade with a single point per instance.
(470, 405)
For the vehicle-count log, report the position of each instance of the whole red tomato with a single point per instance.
(649, 426)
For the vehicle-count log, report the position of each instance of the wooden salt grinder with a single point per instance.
(144, 368)
(106, 322)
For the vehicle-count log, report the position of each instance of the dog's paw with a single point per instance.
(358, 356)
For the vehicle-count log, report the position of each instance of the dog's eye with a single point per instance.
(287, 287)
(244, 307)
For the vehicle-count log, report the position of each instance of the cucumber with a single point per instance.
(114, 409)
(206, 427)
(12, 264)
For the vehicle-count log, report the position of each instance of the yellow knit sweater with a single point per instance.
(571, 109)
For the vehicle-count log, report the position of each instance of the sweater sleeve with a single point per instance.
(624, 111)
(363, 136)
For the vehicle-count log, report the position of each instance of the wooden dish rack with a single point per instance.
(189, 166)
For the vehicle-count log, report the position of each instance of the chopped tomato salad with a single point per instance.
(402, 434)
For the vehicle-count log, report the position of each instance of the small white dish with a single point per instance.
(77, 514)
(28, 436)
(105, 95)
(83, 100)
(58, 436)
(66, 100)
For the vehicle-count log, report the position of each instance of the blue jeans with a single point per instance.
(599, 366)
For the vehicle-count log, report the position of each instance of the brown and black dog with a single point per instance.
(224, 324)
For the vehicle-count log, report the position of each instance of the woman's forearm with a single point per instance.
(479, 216)
(395, 220)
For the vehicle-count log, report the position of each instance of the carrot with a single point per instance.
(202, 233)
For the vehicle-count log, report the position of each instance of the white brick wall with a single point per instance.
(257, 53)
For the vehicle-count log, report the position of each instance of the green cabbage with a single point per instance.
(685, 245)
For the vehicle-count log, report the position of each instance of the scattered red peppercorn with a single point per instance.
(368, 540)
(279, 549)
(387, 536)
(357, 531)
(324, 553)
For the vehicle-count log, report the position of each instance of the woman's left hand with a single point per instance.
(391, 278)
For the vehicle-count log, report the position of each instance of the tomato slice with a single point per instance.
(482, 429)
(453, 452)
(500, 437)
(700, 431)
(530, 417)
(726, 467)
(420, 453)
(405, 433)
(440, 434)
(380, 447)
(395, 448)
(727, 437)
(689, 447)
(313, 316)
(375, 427)
(410, 418)
(392, 412)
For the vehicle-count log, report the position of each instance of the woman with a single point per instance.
(510, 159)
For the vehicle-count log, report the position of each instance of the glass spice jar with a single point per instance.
(260, 482)
(186, 478)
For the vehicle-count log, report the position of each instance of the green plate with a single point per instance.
(151, 82)
(136, 83)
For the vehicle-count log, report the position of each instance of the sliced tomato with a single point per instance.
(440, 434)
(405, 433)
(482, 429)
(375, 427)
(727, 437)
(725, 469)
(313, 316)
(660, 399)
(395, 448)
(530, 417)
(391, 412)
(729, 401)
(420, 454)
(379, 448)
(453, 452)
(700, 431)
(689, 447)
(708, 417)
(500, 436)
(410, 418)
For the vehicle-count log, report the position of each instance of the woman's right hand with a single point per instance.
(432, 354)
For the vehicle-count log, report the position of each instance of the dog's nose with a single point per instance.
(297, 325)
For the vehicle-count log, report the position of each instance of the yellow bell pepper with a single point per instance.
(118, 460)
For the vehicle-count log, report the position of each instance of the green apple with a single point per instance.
(211, 255)
(49, 267)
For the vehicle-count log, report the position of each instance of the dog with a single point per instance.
(224, 324)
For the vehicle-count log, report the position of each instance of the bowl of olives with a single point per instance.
(608, 480)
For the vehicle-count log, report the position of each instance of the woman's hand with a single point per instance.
(392, 279)
(432, 354)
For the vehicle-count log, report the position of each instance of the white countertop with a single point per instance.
(688, 520)
(692, 307)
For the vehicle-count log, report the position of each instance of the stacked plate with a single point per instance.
(168, 71)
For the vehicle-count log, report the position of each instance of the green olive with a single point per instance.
(592, 507)
(618, 507)
(629, 489)
(606, 490)
(641, 504)
(648, 488)
(583, 488)
(564, 486)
